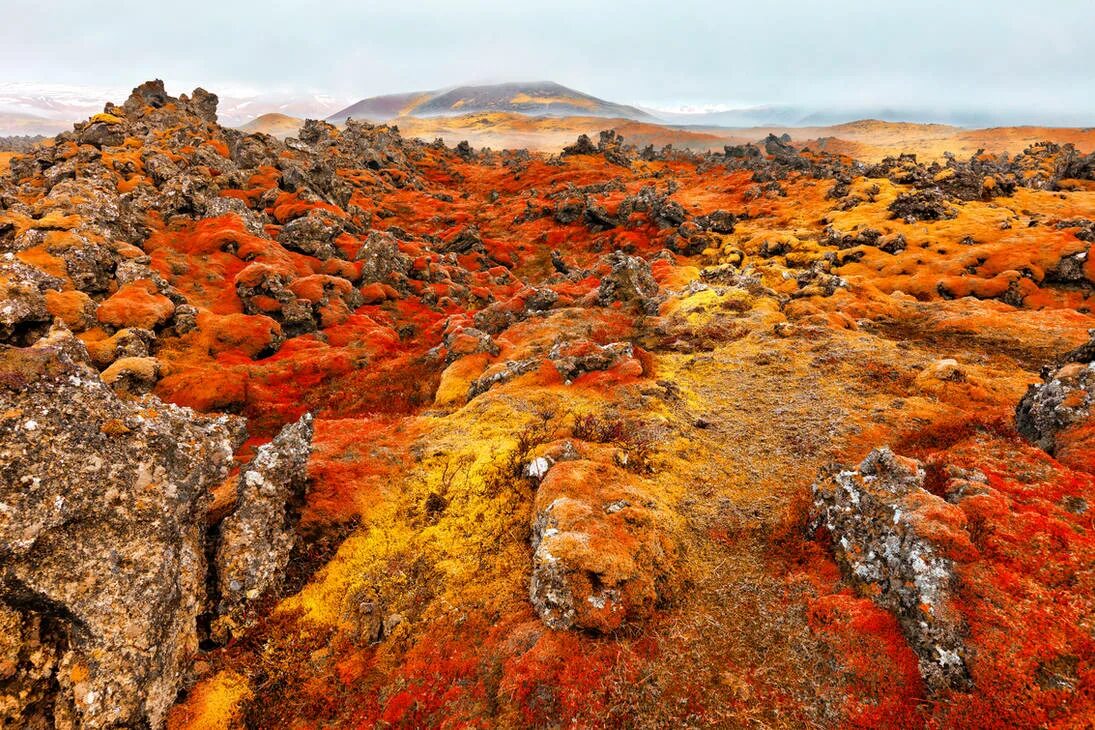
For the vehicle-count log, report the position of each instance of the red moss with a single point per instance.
(883, 672)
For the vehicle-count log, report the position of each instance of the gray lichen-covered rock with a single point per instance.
(629, 281)
(102, 505)
(500, 373)
(381, 259)
(921, 205)
(571, 358)
(256, 539)
(313, 234)
(576, 358)
(885, 530)
(1065, 399)
(1058, 414)
(23, 314)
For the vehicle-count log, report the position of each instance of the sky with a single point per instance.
(988, 54)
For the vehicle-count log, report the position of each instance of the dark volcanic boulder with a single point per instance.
(102, 134)
(584, 146)
(313, 234)
(1058, 414)
(204, 104)
(718, 221)
(381, 259)
(779, 146)
(628, 281)
(102, 519)
(149, 94)
(921, 205)
(23, 313)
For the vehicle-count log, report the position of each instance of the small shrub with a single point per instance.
(627, 435)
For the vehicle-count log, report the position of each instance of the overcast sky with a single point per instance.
(1000, 54)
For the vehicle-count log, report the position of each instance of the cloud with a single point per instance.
(997, 54)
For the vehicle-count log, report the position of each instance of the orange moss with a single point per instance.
(75, 308)
(137, 304)
(884, 678)
(214, 705)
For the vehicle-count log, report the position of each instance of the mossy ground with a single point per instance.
(733, 401)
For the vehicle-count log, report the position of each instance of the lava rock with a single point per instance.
(313, 234)
(921, 205)
(381, 259)
(465, 241)
(574, 359)
(1058, 414)
(102, 532)
(204, 104)
(629, 281)
(102, 134)
(500, 373)
(718, 221)
(584, 146)
(884, 527)
(256, 539)
(779, 146)
(603, 550)
(23, 313)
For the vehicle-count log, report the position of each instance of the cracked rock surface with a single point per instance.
(880, 518)
(256, 539)
(600, 559)
(102, 506)
(1058, 414)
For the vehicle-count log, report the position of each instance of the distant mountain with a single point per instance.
(17, 125)
(819, 116)
(507, 130)
(236, 110)
(274, 124)
(45, 108)
(539, 98)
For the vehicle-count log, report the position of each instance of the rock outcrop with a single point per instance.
(895, 542)
(1058, 414)
(257, 538)
(630, 282)
(603, 554)
(102, 518)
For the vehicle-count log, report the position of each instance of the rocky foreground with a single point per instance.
(352, 429)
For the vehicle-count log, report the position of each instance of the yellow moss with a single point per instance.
(693, 306)
(215, 704)
(457, 378)
(51, 221)
(473, 550)
(107, 118)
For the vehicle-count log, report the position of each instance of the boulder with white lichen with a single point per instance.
(897, 543)
(257, 538)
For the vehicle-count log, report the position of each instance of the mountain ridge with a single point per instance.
(536, 98)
